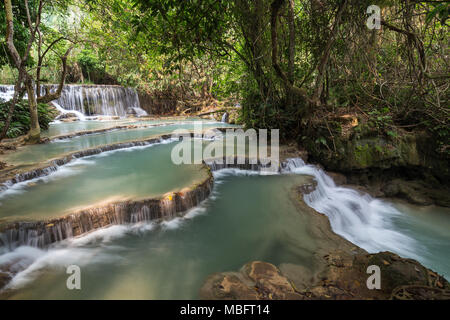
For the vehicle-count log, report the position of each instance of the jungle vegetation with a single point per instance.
(297, 65)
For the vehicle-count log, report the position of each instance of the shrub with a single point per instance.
(20, 122)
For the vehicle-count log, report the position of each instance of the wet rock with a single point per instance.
(227, 286)
(343, 276)
(411, 191)
(74, 119)
(256, 281)
(338, 178)
(307, 188)
(67, 115)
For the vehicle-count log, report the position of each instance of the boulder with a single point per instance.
(257, 280)
(344, 276)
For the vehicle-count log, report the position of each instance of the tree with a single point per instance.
(25, 79)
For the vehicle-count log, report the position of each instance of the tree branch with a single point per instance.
(53, 96)
(275, 9)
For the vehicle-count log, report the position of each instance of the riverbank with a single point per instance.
(341, 273)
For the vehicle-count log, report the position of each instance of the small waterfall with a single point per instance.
(225, 117)
(357, 217)
(6, 92)
(98, 100)
(87, 100)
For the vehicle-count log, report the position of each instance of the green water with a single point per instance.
(39, 153)
(430, 227)
(252, 218)
(62, 128)
(247, 218)
(140, 172)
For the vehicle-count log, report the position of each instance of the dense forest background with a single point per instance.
(312, 68)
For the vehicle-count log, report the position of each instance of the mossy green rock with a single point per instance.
(413, 151)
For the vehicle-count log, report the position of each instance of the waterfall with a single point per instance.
(6, 92)
(357, 217)
(95, 100)
(90, 99)
(225, 117)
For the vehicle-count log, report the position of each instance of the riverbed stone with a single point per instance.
(343, 277)
(257, 280)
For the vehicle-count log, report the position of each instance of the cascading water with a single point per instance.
(104, 100)
(6, 92)
(89, 100)
(360, 219)
(225, 117)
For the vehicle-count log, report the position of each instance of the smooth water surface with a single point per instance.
(430, 227)
(42, 152)
(138, 172)
(249, 218)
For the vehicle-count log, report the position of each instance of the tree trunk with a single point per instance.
(35, 130)
(294, 90)
(291, 23)
(326, 53)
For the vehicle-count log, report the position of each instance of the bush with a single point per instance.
(20, 122)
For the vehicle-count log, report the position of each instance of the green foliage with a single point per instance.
(440, 11)
(20, 122)
(192, 49)
(21, 31)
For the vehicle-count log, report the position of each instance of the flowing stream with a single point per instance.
(248, 217)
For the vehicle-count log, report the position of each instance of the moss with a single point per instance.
(363, 155)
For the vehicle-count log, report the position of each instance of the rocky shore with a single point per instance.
(340, 273)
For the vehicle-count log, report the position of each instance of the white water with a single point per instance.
(6, 92)
(225, 117)
(359, 218)
(365, 221)
(89, 100)
(64, 111)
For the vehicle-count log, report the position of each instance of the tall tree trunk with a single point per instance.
(294, 90)
(326, 53)
(35, 130)
(291, 23)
